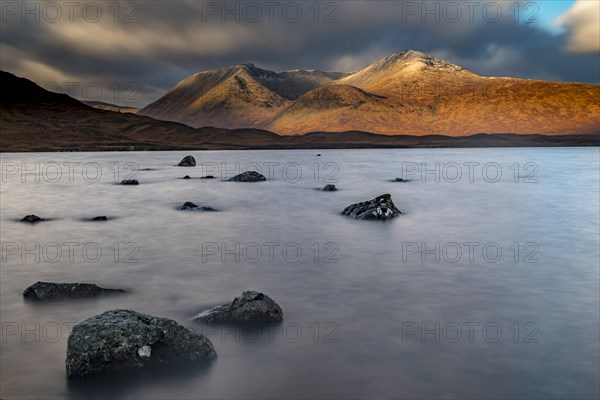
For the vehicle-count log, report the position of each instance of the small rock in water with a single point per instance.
(328, 188)
(188, 205)
(130, 182)
(381, 207)
(187, 161)
(319, 155)
(58, 291)
(248, 176)
(400, 180)
(121, 340)
(100, 218)
(251, 307)
(208, 177)
(186, 177)
(31, 218)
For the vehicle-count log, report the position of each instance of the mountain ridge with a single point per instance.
(232, 97)
(34, 119)
(406, 92)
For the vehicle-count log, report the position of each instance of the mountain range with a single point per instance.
(405, 93)
(409, 93)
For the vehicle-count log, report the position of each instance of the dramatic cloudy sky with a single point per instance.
(133, 51)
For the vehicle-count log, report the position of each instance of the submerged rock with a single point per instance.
(130, 182)
(59, 291)
(32, 218)
(120, 340)
(188, 205)
(251, 307)
(248, 176)
(328, 188)
(100, 218)
(187, 161)
(381, 207)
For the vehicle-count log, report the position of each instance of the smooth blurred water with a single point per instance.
(356, 300)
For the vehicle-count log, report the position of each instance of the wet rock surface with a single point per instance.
(382, 207)
(188, 205)
(187, 161)
(121, 340)
(32, 218)
(248, 176)
(250, 308)
(48, 291)
(328, 188)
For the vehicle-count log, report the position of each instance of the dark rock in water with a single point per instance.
(31, 218)
(130, 182)
(186, 177)
(188, 205)
(328, 188)
(251, 307)
(100, 218)
(381, 207)
(59, 291)
(121, 340)
(248, 176)
(400, 180)
(208, 177)
(319, 155)
(187, 161)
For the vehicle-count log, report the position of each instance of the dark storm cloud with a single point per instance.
(155, 44)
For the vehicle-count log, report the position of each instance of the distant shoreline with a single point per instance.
(321, 140)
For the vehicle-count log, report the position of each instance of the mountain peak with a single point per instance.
(407, 54)
(409, 57)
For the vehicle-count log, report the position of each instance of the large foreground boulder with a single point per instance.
(187, 161)
(59, 291)
(381, 207)
(120, 340)
(248, 176)
(251, 308)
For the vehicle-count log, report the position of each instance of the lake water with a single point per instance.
(487, 285)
